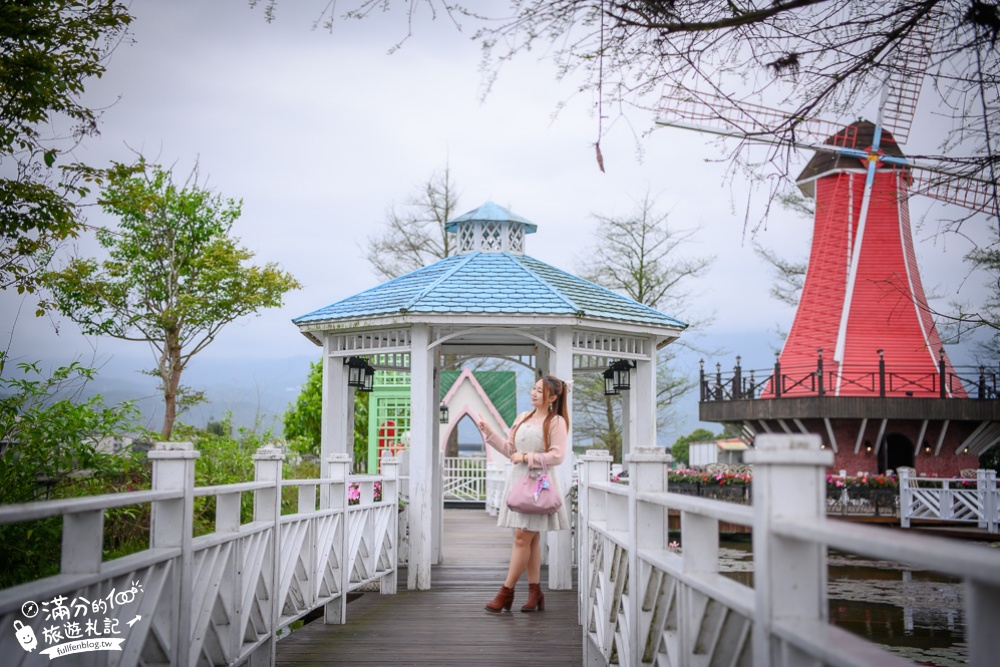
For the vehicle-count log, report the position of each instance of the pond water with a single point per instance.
(914, 613)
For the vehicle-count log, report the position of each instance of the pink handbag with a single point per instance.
(534, 495)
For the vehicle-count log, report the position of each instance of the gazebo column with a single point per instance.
(642, 402)
(561, 543)
(438, 490)
(629, 426)
(423, 454)
(337, 423)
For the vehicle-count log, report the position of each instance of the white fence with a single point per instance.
(962, 500)
(496, 477)
(215, 599)
(464, 478)
(642, 603)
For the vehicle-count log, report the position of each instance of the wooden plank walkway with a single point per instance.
(448, 625)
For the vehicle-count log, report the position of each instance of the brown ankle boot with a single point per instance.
(502, 602)
(536, 601)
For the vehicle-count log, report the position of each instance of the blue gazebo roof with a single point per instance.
(490, 282)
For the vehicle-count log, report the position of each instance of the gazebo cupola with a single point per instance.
(491, 228)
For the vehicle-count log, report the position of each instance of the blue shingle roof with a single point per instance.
(480, 282)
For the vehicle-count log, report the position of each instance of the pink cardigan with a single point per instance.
(558, 434)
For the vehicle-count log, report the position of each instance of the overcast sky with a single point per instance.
(320, 133)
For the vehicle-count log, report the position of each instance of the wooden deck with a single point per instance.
(448, 625)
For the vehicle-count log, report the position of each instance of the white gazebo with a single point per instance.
(488, 300)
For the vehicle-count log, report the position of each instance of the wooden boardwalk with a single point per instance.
(448, 625)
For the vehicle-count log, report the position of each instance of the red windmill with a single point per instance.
(863, 302)
(863, 365)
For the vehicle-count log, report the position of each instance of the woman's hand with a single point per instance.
(484, 428)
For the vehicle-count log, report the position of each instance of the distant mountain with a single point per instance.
(256, 391)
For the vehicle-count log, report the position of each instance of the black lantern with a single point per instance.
(360, 374)
(609, 383)
(369, 382)
(622, 374)
(443, 414)
(355, 372)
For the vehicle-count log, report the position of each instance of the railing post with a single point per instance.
(941, 391)
(172, 525)
(701, 380)
(986, 489)
(390, 494)
(777, 375)
(719, 394)
(648, 529)
(737, 381)
(267, 508)
(905, 498)
(595, 466)
(819, 372)
(339, 467)
(790, 579)
(881, 373)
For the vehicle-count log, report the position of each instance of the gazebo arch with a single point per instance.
(490, 299)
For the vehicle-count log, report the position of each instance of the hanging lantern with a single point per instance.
(609, 383)
(356, 372)
(443, 414)
(622, 371)
(369, 378)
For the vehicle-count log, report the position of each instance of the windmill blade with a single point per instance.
(975, 194)
(909, 67)
(713, 112)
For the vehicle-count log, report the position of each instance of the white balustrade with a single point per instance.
(954, 500)
(215, 599)
(496, 478)
(644, 602)
(465, 478)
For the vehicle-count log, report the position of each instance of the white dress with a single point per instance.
(528, 439)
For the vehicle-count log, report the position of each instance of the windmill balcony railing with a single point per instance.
(974, 382)
(220, 598)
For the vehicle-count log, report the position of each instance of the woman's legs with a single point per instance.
(535, 559)
(524, 554)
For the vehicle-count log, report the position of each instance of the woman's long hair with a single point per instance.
(551, 386)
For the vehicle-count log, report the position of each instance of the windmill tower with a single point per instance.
(863, 300)
(863, 365)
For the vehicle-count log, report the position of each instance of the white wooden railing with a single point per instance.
(215, 599)
(643, 603)
(941, 499)
(464, 478)
(496, 477)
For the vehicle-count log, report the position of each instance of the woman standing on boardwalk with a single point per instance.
(537, 436)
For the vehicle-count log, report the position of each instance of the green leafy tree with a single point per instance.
(48, 435)
(50, 447)
(303, 421)
(682, 445)
(49, 49)
(174, 276)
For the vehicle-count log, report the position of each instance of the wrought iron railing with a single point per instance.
(975, 382)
